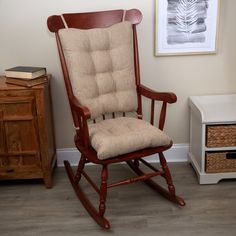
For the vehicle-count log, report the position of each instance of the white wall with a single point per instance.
(25, 40)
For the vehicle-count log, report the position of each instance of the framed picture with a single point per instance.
(186, 27)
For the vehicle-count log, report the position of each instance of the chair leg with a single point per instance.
(103, 190)
(136, 163)
(169, 194)
(80, 169)
(168, 178)
(167, 174)
(74, 179)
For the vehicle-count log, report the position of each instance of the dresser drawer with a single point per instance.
(220, 136)
(20, 162)
(219, 162)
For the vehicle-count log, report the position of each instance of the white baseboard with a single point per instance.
(178, 153)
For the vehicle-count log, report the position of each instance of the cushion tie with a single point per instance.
(64, 22)
(124, 14)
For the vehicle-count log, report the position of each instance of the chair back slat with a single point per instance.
(93, 19)
(90, 20)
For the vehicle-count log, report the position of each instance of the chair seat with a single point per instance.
(123, 135)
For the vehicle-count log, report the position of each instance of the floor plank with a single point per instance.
(28, 209)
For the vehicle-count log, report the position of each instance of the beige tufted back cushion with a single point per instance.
(101, 67)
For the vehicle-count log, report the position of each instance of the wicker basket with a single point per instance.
(220, 136)
(218, 162)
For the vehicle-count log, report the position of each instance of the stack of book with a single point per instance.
(27, 76)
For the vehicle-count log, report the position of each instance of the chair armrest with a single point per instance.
(157, 96)
(80, 116)
(154, 95)
(77, 107)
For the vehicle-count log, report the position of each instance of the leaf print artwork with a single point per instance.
(186, 27)
(186, 21)
(186, 16)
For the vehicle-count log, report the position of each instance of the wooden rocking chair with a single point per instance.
(99, 58)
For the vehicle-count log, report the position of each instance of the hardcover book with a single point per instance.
(27, 82)
(25, 72)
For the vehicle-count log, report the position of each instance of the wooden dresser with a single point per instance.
(27, 146)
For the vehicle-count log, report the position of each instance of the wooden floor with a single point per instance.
(28, 209)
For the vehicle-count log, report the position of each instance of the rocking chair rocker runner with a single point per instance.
(99, 58)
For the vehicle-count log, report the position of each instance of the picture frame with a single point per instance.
(186, 27)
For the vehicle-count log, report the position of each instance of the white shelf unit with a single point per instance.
(204, 111)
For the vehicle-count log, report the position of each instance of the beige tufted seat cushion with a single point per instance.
(123, 135)
(101, 67)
